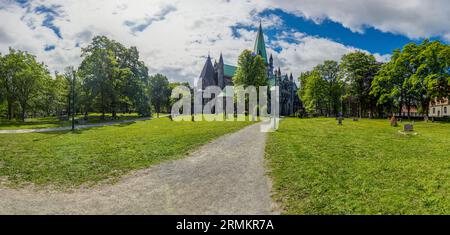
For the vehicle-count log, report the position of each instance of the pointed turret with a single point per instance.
(207, 76)
(220, 72)
(260, 45)
(291, 78)
(221, 58)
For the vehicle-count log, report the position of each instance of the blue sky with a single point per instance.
(371, 40)
(175, 36)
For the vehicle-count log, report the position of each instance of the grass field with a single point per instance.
(87, 156)
(364, 167)
(52, 122)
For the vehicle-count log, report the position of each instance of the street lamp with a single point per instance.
(73, 99)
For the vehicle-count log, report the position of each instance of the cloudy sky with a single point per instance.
(175, 36)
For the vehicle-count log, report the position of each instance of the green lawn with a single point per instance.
(52, 122)
(364, 167)
(87, 156)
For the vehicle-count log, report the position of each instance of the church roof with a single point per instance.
(229, 70)
(207, 75)
(260, 45)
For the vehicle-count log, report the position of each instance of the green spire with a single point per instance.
(260, 46)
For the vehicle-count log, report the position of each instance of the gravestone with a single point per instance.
(394, 121)
(355, 119)
(340, 121)
(408, 128)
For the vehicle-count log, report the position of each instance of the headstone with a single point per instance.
(340, 119)
(408, 128)
(355, 119)
(394, 121)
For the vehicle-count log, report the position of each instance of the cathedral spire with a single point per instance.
(221, 58)
(260, 45)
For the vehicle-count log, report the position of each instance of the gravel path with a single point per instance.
(66, 128)
(226, 176)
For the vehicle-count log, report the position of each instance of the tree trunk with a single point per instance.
(9, 110)
(23, 112)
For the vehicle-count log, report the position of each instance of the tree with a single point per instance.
(51, 98)
(114, 77)
(432, 77)
(414, 76)
(251, 70)
(160, 91)
(329, 72)
(386, 88)
(22, 79)
(359, 69)
(313, 91)
(9, 67)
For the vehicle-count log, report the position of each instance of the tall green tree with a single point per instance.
(432, 77)
(160, 92)
(114, 77)
(359, 69)
(414, 76)
(313, 91)
(251, 70)
(22, 79)
(10, 65)
(329, 72)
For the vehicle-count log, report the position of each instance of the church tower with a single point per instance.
(260, 45)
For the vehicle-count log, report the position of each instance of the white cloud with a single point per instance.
(413, 18)
(175, 36)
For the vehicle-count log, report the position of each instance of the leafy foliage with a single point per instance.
(251, 70)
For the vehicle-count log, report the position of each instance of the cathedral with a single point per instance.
(221, 75)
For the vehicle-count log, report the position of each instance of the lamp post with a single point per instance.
(73, 99)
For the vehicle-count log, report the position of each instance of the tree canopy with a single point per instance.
(251, 70)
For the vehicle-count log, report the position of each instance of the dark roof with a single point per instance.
(207, 75)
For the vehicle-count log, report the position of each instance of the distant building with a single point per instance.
(440, 108)
(221, 75)
(413, 112)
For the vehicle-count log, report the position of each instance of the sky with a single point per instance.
(174, 37)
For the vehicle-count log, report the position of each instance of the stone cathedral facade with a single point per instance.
(221, 75)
